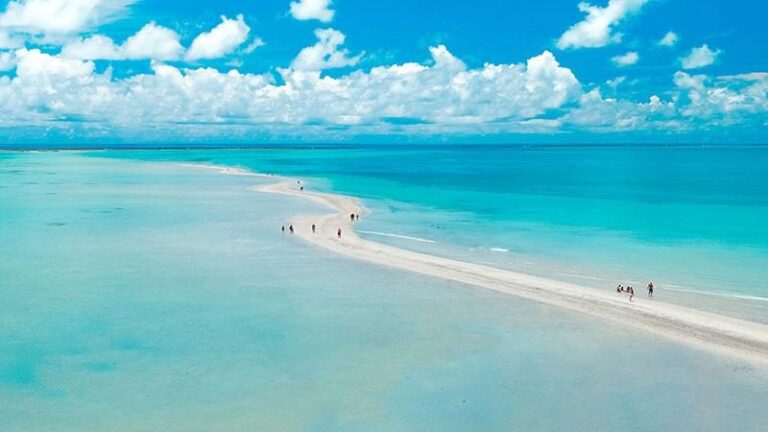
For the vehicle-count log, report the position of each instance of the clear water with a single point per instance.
(691, 219)
(149, 296)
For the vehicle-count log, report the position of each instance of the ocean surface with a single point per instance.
(140, 294)
(690, 219)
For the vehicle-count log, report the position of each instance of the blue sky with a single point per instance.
(353, 71)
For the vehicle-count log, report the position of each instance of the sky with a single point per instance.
(283, 71)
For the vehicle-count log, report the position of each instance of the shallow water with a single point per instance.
(691, 219)
(149, 296)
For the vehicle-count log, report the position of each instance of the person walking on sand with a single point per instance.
(631, 293)
(290, 228)
(338, 233)
(357, 216)
(352, 217)
(650, 289)
(314, 228)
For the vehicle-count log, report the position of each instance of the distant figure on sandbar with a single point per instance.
(290, 228)
(282, 228)
(301, 188)
(619, 289)
(631, 293)
(314, 228)
(357, 216)
(650, 290)
(338, 233)
(352, 217)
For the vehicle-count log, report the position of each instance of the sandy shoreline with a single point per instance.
(725, 335)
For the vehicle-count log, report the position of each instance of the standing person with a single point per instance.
(338, 233)
(357, 216)
(631, 293)
(290, 228)
(650, 289)
(314, 228)
(282, 228)
(352, 217)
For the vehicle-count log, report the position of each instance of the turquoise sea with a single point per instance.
(691, 219)
(140, 294)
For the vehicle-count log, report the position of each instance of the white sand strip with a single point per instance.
(714, 332)
(224, 169)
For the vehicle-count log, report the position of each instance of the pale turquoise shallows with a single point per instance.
(146, 296)
(691, 219)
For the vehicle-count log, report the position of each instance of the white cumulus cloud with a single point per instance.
(597, 29)
(312, 9)
(59, 16)
(669, 39)
(325, 54)
(700, 57)
(722, 99)
(34, 63)
(439, 95)
(627, 59)
(151, 42)
(155, 42)
(96, 47)
(219, 41)
(599, 113)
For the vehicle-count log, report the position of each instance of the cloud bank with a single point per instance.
(59, 76)
(440, 95)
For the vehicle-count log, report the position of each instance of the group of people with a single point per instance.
(352, 217)
(291, 230)
(629, 290)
